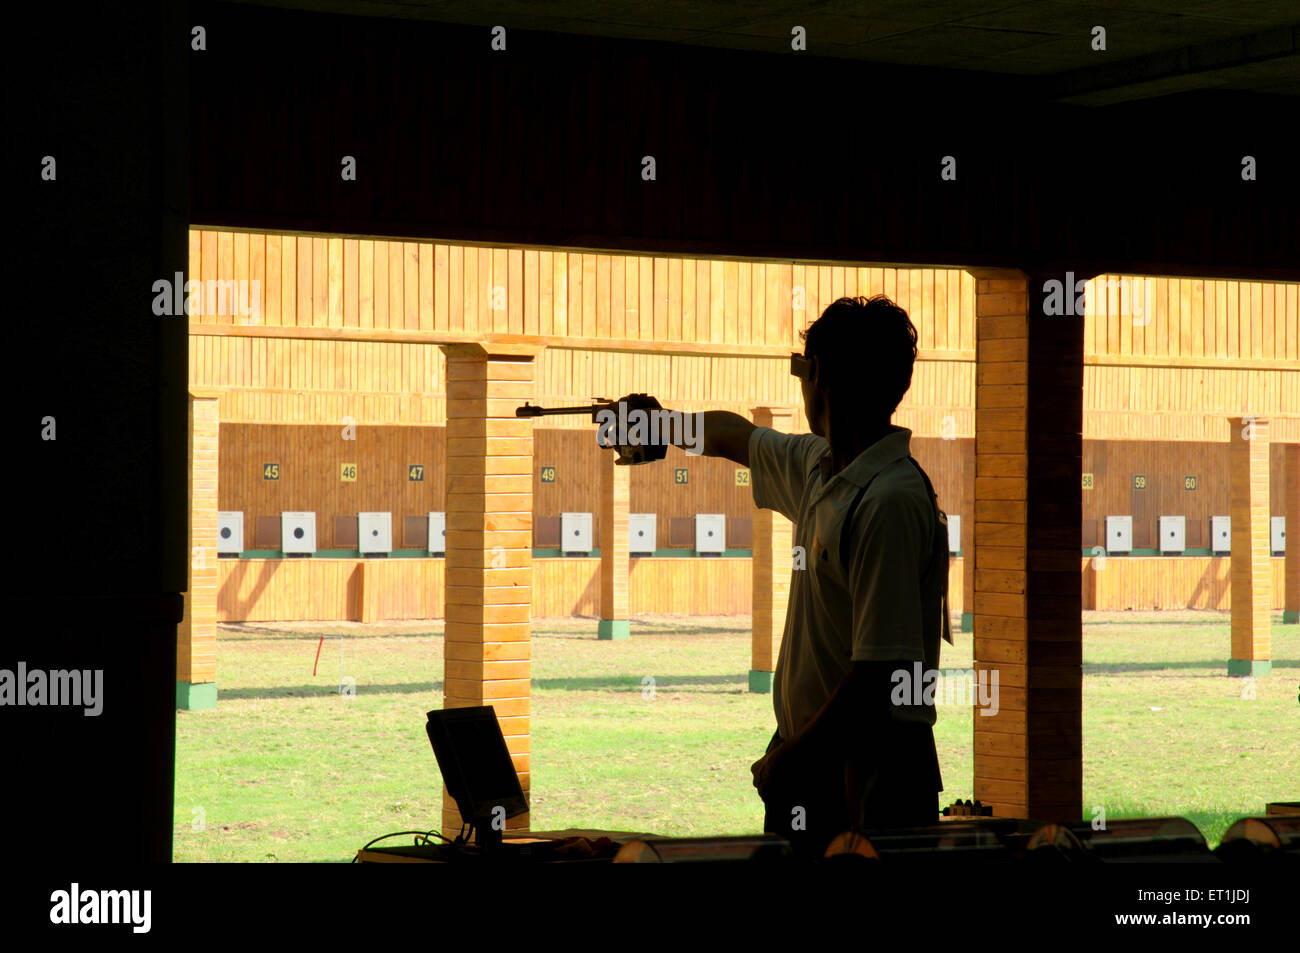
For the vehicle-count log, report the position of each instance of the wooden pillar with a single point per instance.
(1252, 571)
(196, 636)
(614, 496)
(1291, 510)
(1028, 535)
(489, 563)
(773, 538)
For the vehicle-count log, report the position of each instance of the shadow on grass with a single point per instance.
(641, 632)
(629, 682)
(325, 688)
(1161, 623)
(1225, 622)
(677, 682)
(1212, 666)
(250, 633)
(254, 633)
(595, 683)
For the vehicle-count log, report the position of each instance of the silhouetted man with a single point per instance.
(865, 601)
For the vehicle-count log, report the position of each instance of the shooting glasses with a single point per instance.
(801, 367)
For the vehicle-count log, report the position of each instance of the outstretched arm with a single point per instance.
(724, 435)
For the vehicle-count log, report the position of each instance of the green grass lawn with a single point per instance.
(284, 768)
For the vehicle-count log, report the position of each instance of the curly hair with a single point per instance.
(865, 349)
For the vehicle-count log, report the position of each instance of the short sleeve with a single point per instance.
(779, 464)
(885, 580)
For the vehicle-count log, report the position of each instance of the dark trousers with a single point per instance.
(895, 784)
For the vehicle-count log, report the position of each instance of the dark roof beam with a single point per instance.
(1202, 66)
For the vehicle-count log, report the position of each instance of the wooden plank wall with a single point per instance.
(565, 587)
(310, 458)
(266, 590)
(289, 590)
(1167, 582)
(336, 282)
(294, 590)
(1165, 368)
(309, 281)
(1180, 355)
(1161, 376)
(1191, 318)
(403, 588)
(375, 383)
(1165, 464)
(308, 285)
(1132, 402)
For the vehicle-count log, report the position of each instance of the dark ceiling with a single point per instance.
(1153, 47)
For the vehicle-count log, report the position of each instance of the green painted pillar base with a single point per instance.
(761, 682)
(1251, 667)
(196, 696)
(613, 629)
(1290, 617)
(967, 621)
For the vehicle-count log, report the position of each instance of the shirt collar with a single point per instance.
(895, 445)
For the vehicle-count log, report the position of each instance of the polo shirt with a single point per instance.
(871, 610)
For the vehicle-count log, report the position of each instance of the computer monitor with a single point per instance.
(476, 767)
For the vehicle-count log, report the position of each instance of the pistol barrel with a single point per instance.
(531, 410)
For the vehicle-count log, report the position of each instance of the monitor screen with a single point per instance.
(475, 762)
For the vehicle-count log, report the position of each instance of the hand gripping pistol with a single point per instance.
(619, 426)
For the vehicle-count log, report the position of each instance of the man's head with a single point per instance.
(860, 353)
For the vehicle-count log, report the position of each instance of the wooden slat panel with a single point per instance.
(225, 270)
(401, 285)
(424, 255)
(470, 310)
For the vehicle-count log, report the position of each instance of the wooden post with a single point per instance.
(1028, 536)
(196, 636)
(362, 590)
(1252, 571)
(614, 496)
(773, 538)
(489, 563)
(1291, 510)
